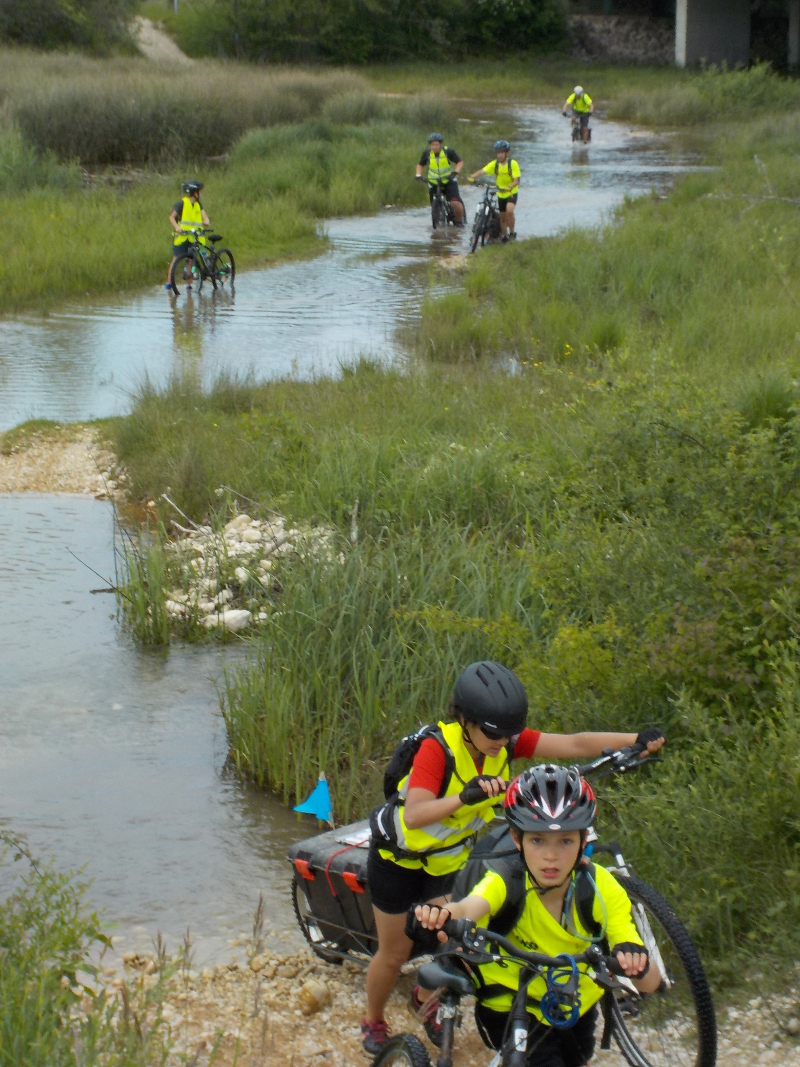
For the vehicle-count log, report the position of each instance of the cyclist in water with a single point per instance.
(506, 173)
(187, 214)
(549, 810)
(422, 837)
(444, 165)
(582, 106)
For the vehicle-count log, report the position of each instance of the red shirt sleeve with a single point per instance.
(526, 744)
(427, 770)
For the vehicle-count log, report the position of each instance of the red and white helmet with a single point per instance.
(550, 798)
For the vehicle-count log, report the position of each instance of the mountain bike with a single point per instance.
(576, 129)
(441, 208)
(673, 1027)
(201, 262)
(486, 225)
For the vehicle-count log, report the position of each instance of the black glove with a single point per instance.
(629, 946)
(472, 792)
(650, 733)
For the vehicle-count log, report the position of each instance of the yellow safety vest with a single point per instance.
(537, 931)
(191, 218)
(504, 175)
(581, 104)
(444, 846)
(440, 169)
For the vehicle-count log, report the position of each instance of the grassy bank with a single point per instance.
(617, 517)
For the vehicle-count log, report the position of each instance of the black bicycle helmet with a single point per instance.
(550, 798)
(491, 695)
(436, 137)
(502, 146)
(192, 187)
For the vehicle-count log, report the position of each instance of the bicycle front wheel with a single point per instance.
(405, 1050)
(478, 230)
(675, 1026)
(187, 274)
(438, 212)
(224, 268)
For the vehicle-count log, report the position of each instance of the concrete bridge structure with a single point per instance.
(718, 31)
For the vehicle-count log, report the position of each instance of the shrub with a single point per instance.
(96, 25)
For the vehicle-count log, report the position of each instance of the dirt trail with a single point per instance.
(155, 44)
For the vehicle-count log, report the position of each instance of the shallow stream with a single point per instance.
(114, 759)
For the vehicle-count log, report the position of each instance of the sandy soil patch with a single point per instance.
(65, 460)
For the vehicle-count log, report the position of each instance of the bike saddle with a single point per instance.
(434, 976)
(213, 236)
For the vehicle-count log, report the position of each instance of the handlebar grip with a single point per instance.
(458, 928)
(613, 965)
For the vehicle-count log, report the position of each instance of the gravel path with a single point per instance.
(66, 460)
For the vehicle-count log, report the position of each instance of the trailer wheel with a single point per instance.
(309, 925)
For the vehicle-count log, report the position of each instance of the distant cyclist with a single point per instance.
(582, 106)
(506, 173)
(186, 215)
(444, 165)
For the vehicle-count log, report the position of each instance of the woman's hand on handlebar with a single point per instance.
(431, 917)
(633, 959)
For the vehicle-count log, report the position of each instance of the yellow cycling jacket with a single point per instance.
(537, 931)
(191, 218)
(440, 169)
(444, 846)
(503, 176)
(580, 104)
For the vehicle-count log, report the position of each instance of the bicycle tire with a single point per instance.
(438, 212)
(225, 255)
(309, 929)
(674, 1027)
(186, 271)
(478, 231)
(405, 1050)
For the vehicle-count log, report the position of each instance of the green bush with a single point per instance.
(97, 25)
(22, 167)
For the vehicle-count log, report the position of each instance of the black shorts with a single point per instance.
(502, 201)
(584, 117)
(450, 190)
(394, 888)
(558, 1048)
(181, 249)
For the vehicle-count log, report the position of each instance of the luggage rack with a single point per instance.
(331, 898)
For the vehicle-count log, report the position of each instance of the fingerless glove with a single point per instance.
(650, 733)
(629, 946)
(472, 792)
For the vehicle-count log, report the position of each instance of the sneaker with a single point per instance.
(374, 1036)
(513, 236)
(504, 238)
(168, 287)
(426, 1012)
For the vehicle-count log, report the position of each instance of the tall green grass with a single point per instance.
(129, 110)
(54, 1011)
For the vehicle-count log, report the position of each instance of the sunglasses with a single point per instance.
(494, 735)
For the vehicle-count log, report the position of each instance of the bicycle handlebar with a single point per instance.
(618, 761)
(478, 940)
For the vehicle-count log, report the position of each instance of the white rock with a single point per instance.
(265, 580)
(235, 525)
(231, 619)
(793, 1026)
(251, 536)
(242, 576)
(223, 597)
(179, 610)
(209, 585)
(205, 605)
(265, 564)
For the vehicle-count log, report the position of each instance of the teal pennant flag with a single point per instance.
(319, 803)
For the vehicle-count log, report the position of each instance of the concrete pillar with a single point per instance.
(794, 33)
(714, 31)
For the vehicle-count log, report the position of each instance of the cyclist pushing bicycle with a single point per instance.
(507, 175)
(186, 217)
(444, 165)
(549, 810)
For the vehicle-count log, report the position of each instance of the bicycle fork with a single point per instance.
(449, 1015)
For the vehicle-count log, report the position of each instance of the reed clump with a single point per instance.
(127, 110)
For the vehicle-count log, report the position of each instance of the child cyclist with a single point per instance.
(549, 810)
(422, 838)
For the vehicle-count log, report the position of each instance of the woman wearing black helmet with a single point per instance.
(449, 794)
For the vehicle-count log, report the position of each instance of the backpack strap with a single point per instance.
(584, 900)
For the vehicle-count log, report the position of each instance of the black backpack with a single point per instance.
(497, 852)
(509, 161)
(403, 756)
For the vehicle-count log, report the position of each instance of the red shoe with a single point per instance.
(374, 1035)
(425, 1011)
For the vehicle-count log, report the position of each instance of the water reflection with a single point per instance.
(306, 318)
